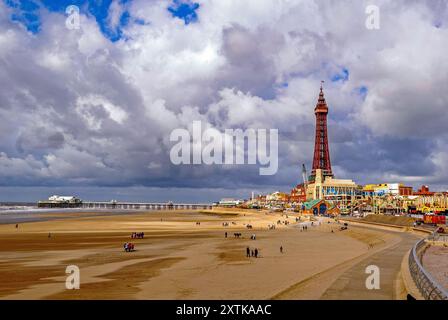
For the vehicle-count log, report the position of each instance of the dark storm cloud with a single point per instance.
(39, 139)
(369, 156)
(250, 59)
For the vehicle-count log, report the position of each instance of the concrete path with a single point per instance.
(351, 284)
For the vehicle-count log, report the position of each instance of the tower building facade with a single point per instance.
(321, 159)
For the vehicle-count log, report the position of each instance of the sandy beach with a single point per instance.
(178, 258)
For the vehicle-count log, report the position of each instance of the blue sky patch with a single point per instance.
(342, 76)
(27, 13)
(362, 91)
(185, 10)
(282, 85)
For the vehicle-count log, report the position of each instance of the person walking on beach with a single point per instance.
(247, 252)
(17, 226)
(281, 249)
(225, 235)
(256, 253)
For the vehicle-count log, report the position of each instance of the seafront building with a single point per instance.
(436, 202)
(387, 188)
(298, 194)
(277, 198)
(229, 202)
(338, 192)
(56, 201)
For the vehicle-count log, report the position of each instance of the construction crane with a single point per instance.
(304, 176)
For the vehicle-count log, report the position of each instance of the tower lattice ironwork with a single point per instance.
(321, 159)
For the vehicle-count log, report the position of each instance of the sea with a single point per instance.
(21, 212)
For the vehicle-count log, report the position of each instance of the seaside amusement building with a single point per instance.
(322, 184)
(430, 201)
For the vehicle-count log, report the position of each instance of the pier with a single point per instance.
(56, 201)
(144, 206)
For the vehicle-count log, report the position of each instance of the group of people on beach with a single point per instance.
(128, 247)
(286, 222)
(255, 252)
(137, 235)
(226, 224)
(239, 235)
(251, 252)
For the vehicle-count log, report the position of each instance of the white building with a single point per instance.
(66, 199)
(229, 202)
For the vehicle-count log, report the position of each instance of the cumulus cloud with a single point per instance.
(78, 110)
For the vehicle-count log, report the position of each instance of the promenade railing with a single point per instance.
(427, 285)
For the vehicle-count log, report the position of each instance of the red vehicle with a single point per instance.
(440, 230)
(434, 219)
(412, 210)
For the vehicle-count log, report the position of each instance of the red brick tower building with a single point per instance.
(321, 158)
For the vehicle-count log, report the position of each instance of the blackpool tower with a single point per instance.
(321, 158)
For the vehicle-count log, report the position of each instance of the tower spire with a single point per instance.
(321, 100)
(321, 158)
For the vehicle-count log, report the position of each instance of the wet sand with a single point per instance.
(43, 214)
(177, 259)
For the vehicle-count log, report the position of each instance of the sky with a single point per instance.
(89, 111)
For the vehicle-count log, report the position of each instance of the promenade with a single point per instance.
(351, 284)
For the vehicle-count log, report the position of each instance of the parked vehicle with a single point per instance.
(440, 230)
(434, 219)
